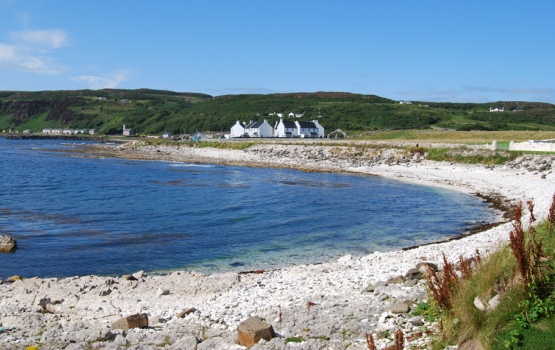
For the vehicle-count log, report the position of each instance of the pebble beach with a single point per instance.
(329, 305)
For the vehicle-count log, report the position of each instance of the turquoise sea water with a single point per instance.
(78, 215)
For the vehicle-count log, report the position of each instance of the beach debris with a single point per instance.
(132, 321)
(250, 331)
(185, 312)
(7, 244)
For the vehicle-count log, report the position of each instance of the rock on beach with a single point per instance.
(322, 306)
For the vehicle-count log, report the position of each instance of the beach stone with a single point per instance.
(372, 287)
(396, 280)
(213, 343)
(494, 302)
(479, 304)
(12, 279)
(7, 244)
(162, 291)
(250, 331)
(133, 321)
(423, 266)
(416, 321)
(128, 278)
(138, 275)
(186, 312)
(410, 283)
(398, 308)
(188, 342)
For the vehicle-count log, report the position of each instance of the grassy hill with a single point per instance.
(154, 111)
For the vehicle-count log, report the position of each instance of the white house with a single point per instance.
(310, 129)
(405, 102)
(285, 129)
(495, 109)
(237, 130)
(293, 115)
(259, 129)
(167, 135)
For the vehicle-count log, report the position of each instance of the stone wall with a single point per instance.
(532, 146)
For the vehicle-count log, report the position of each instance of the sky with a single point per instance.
(454, 51)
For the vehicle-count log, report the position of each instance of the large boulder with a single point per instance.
(250, 331)
(7, 244)
(133, 321)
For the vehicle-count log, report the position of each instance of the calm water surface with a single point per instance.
(74, 216)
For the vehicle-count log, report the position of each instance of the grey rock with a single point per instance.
(7, 244)
(410, 283)
(187, 342)
(479, 304)
(128, 278)
(494, 302)
(133, 321)
(162, 291)
(250, 331)
(372, 287)
(138, 275)
(396, 280)
(398, 308)
(416, 321)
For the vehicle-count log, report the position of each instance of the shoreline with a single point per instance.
(81, 309)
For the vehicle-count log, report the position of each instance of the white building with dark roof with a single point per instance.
(285, 129)
(259, 129)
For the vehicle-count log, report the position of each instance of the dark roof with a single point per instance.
(290, 125)
(307, 125)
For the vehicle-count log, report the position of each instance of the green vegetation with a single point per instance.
(155, 111)
(520, 275)
(470, 156)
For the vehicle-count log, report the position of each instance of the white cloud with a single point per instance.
(47, 39)
(104, 82)
(31, 51)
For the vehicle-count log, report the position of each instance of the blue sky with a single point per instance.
(458, 51)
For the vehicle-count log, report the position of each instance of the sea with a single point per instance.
(76, 214)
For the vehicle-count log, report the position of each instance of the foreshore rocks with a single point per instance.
(7, 244)
(332, 305)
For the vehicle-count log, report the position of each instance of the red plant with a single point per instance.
(370, 342)
(443, 288)
(308, 306)
(551, 216)
(526, 248)
(399, 340)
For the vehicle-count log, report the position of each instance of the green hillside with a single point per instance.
(154, 111)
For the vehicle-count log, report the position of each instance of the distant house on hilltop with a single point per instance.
(497, 109)
(405, 102)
